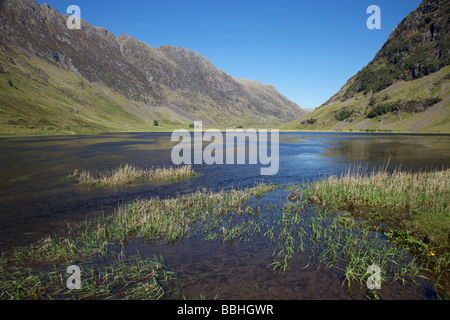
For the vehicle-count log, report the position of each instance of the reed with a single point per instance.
(420, 201)
(138, 278)
(218, 216)
(126, 174)
(414, 208)
(326, 242)
(261, 188)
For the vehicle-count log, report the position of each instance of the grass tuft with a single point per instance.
(413, 208)
(420, 201)
(126, 174)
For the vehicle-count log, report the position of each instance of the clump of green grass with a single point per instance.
(126, 174)
(414, 208)
(172, 219)
(326, 242)
(137, 278)
(222, 216)
(216, 215)
(420, 200)
(260, 189)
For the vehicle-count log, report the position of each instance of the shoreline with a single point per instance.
(59, 134)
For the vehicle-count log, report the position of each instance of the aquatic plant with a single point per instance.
(413, 206)
(134, 278)
(217, 216)
(127, 173)
(418, 199)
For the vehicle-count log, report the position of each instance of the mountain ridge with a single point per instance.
(172, 85)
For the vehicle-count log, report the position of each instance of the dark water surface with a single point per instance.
(36, 200)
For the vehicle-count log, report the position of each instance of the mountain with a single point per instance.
(404, 88)
(54, 79)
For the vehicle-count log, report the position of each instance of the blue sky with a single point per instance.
(307, 49)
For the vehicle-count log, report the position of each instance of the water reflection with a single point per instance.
(413, 151)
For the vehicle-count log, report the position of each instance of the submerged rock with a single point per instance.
(313, 199)
(346, 219)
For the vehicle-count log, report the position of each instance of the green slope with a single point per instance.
(421, 105)
(40, 97)
(404, 88)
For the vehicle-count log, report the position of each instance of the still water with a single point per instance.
(35, 199)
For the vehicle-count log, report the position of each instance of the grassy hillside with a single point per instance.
(421, 105)
(40, 97)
